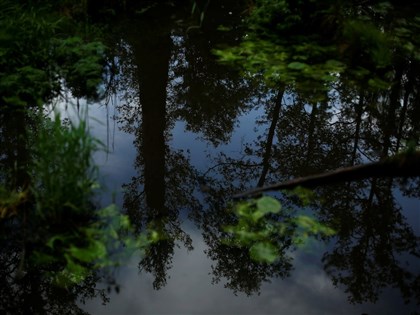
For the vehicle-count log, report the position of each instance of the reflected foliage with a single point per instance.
(212, 95)
(167, 76)
(374, 102)
(257, 245)
(310, 120)
(349, 123)
(373, 234)
(155, 69)
(233, 263)
(258, 231)
(329, 89)
(307, 43)
(376, 248)
(165, 182)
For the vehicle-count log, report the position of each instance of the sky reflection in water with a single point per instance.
(185, 119)
(189, 289)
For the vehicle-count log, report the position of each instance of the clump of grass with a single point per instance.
(63, 173)
(64, 233)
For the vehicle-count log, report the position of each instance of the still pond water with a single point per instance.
(185, 133)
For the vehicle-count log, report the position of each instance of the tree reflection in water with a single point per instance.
(169, 75)
(297, 135)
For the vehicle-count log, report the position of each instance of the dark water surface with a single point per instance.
(185, 133)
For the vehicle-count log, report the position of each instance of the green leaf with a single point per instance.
(297, 65)
(310, 225)
(246, 237)
(51, 241)
(242, 209)
(268, 205)
(305, 222)
(264, 252)
(154, 236)
(265, 205)
(95, 250)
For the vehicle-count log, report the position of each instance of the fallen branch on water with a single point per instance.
(400, 165)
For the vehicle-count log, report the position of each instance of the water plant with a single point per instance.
(266, 228)
(61, 230)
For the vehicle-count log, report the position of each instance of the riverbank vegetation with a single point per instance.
(53, 229)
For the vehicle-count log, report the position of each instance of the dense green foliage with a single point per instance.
(310, 44)
(41, 53)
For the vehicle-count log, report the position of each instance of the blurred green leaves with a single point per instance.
(266, 205)
(106, 242)
(264, 252)
(266, 229)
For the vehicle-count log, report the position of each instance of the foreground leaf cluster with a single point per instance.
(266, 229)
